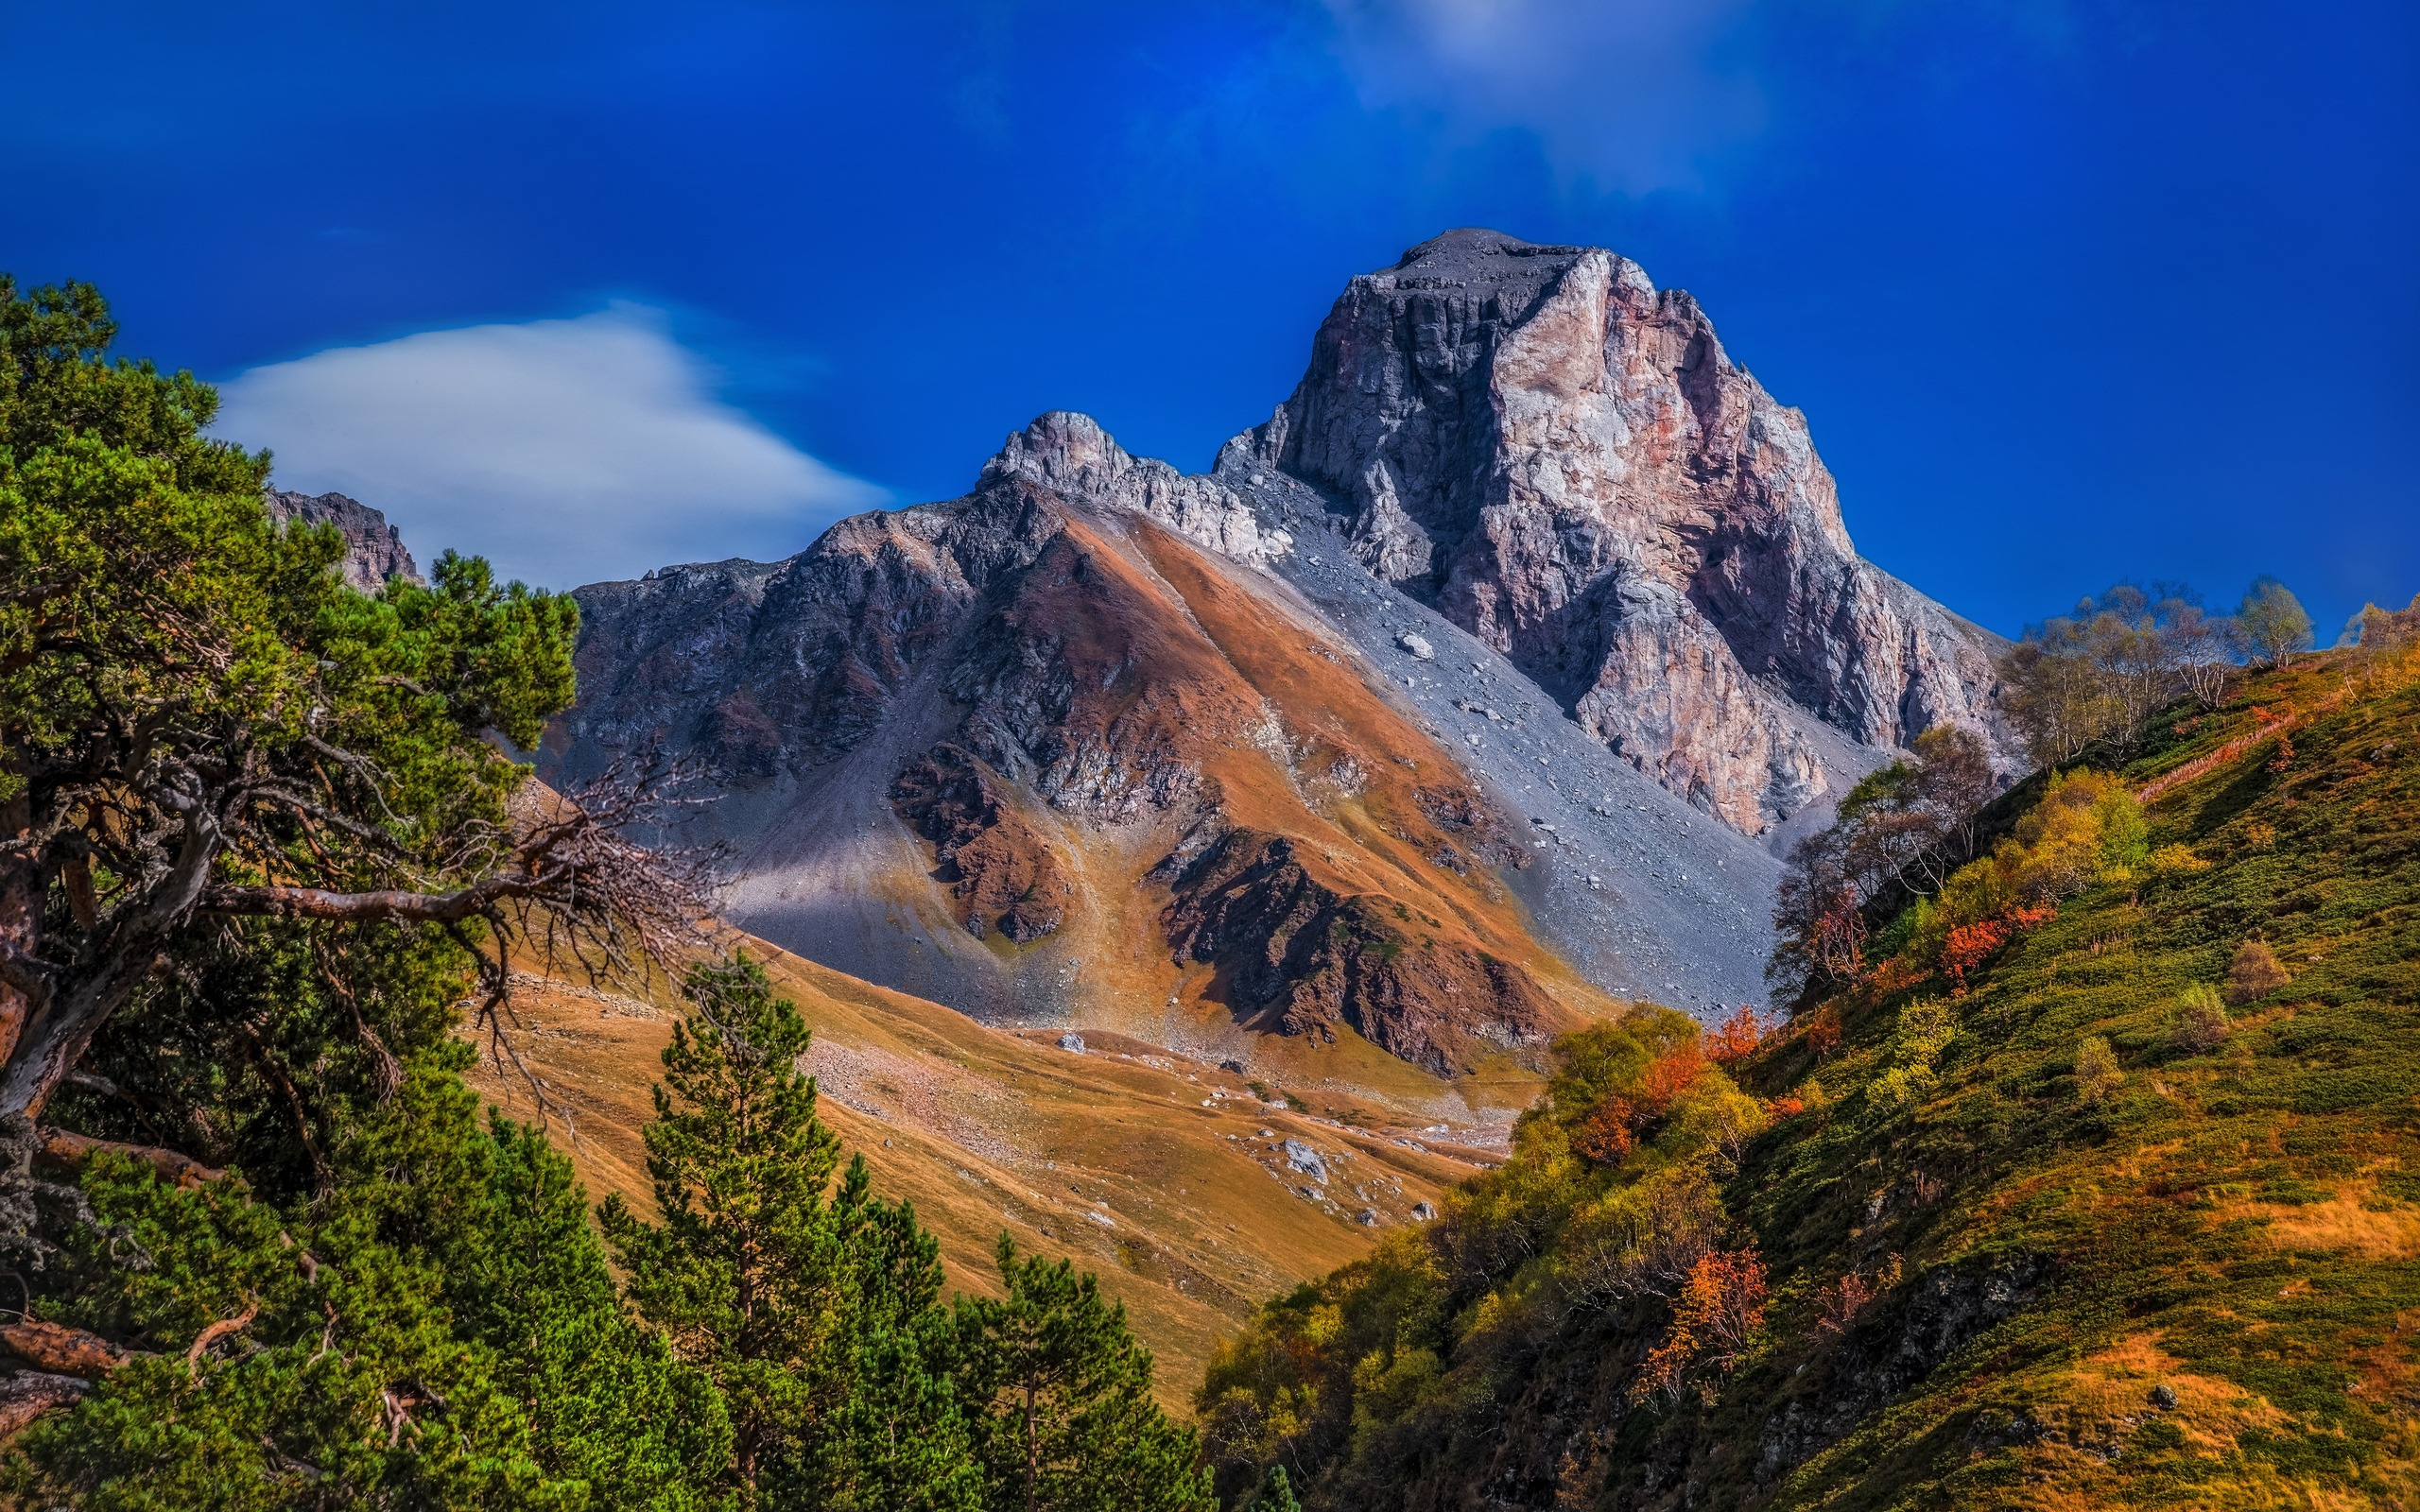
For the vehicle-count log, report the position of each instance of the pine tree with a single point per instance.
(607, 1402)
(1276, 1493)
(1059, 1396)
(255, 839)
(892, 1437)
(811, 1310)
(289, 1358)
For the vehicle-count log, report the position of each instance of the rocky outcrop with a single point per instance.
(1070, 454)
(1312, 957)
(998, 868)
(374, 548)
(768, 671)
(1564, 460)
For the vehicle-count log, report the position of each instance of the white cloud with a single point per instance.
(1632, 95)
(565, 452)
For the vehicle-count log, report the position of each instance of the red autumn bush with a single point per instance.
(1720, 1306)
(1734, 1038)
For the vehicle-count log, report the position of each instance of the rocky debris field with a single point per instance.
(1649, 896)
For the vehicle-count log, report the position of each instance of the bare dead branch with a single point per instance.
(361, 908)
(214, 1332)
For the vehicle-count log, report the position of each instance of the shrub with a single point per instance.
(1837, 1306)
(2097, 1074)
(1916, 1041)
(2176, 860)
(1719, 1307)
(2254, 972)
(2201, 1019)
(1735, 1038)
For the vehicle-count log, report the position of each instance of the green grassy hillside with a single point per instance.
(2081, 1234)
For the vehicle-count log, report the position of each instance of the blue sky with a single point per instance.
(2069, 290)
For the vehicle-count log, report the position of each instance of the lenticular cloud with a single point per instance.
(565, 452)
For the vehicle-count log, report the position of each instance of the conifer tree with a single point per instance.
(255, 840)
(810, 1309)
(1058, 1397)
(607, 1402)
(293, 1358)
(1276, 1493)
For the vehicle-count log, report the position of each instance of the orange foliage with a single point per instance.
(1735, 1037)
(1822, 1033)
(1971, 945)
(1721, 1305)
(1667, 1076)
(1612, 1128)
(1896, 975)
(1605, 1135)
(1787, 1105)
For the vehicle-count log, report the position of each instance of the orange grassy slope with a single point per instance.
(1190, 1215)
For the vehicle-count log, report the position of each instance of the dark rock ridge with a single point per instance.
(375, 549)
(1564, 460)
(1309, 959)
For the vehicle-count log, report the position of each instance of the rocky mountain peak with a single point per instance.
(1071, 455)
(1475, 261)
(375, 550)
(1563, 459)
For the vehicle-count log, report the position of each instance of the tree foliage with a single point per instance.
(2275, 624)
(261, 844)
(1609, 1218)
(1061, 1401)
(2096, 671)
(1899, 832)
(257, 837)
(813, 1307)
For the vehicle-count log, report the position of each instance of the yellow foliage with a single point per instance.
(2087, 829)
(1916, 1041)
(2172, 860)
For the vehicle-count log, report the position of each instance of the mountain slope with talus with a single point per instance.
(1044, 756)
(1472, 694)
(2111, 1205)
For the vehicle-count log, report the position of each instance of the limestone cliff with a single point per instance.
(1564, 460)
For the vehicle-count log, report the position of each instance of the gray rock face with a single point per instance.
(376, 551)
(1306, 1159)
(1564, 460)
(1070, 454)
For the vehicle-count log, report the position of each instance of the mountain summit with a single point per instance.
(1479, 683)
(1564, 460)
